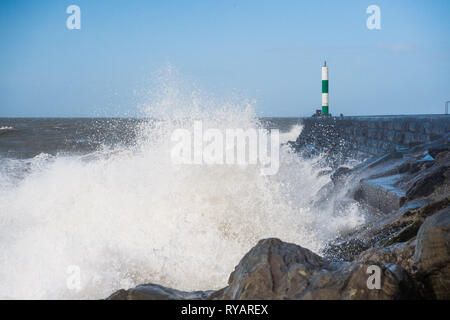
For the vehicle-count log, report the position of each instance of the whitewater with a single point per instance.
(126, 215)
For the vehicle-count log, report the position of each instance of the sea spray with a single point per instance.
(127, 215)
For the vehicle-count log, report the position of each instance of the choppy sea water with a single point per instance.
(104, 196)
(23, 138)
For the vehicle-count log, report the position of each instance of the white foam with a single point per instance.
(292, 134)
(5, 129)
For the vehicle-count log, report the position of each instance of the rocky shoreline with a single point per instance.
(407, 236)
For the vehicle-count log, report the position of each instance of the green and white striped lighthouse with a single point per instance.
(325, 89)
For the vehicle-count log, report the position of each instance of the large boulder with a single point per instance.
(277, 270)
(426, 182)
(432, 255)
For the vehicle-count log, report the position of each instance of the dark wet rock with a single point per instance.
(412, 167)
(340, 174)
(425, 184)
(388, 184)
(438, 150)
(404, 225)
(397, 227)
(398, 253)
(405, 234)
(408, 223)
(433, 207)
(269, 270)
(277, 270)
(345, 250)
(156, 292)
(432, 255)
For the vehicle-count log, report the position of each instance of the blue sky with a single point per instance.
(270, 51)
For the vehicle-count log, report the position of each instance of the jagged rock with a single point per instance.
(437, 150)
(277, 270)
(434, 207)
(405, 234)
(399, 253)
(412, 167)
(432, 255)
(427, 182)
(156, 292)
(407, 225)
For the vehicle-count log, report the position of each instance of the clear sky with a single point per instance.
(270, 51)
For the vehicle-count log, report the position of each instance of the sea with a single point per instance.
(92, 205)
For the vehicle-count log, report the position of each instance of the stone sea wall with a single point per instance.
(378, 134)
